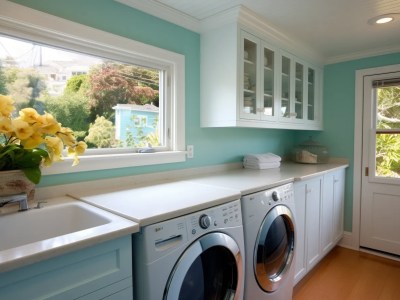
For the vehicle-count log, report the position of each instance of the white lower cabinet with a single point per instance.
(102, 271)
(319, 218)
(307, 196)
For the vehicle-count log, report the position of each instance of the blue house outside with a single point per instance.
(134, 122)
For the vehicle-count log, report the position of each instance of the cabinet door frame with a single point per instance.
(241, 61)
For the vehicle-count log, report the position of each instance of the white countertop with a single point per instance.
(158, 202)
(249, 181)
(155, 203)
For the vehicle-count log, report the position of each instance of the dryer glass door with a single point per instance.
(211, 268)
(274, 248)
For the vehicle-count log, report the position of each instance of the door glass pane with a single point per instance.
(212, 276)
(277, 247)
(249, 76)
(387, 151)
(268, 82)
(285, 104)
(298, 95)
(311, 95)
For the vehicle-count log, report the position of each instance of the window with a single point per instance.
(386, 95)
(128, 92)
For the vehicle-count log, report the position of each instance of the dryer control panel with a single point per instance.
(222, 216)
(258, 202)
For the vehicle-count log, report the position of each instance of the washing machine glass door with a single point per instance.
(274, 248)
(210, 268)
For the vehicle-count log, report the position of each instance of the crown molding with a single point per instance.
(164, 12)
(363, 54)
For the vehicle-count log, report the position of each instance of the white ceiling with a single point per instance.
(336, 29)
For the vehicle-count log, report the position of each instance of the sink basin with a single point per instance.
(63, 225)
(48, 222)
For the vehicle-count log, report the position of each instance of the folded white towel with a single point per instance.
(262, 158)
(261, 166)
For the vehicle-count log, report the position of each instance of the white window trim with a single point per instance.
(20, 21)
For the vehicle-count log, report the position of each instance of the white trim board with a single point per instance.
(358, 132)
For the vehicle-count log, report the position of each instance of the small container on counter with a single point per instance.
(310, 152)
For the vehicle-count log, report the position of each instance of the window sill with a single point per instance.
(114, 161)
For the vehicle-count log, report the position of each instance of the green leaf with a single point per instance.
(33, 174)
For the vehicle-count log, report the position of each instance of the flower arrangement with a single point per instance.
(31, 140)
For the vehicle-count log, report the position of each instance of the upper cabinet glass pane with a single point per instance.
(311, 95)
(285, 92)
(299, 91)
(249, 77)
(269, 75)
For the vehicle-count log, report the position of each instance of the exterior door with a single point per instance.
(380, 192)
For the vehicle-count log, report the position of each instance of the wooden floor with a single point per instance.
(346, 274)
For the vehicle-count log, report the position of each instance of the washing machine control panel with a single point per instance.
(222, 216)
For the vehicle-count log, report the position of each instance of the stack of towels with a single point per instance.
(261, 161)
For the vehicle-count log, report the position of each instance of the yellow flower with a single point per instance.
(80, 148)
(33, 141)
(76, 150)
(49, 125)
(54, 146)
(29, 115)
(67, 136)
(5, 125)
(22, 129)
(6, 106)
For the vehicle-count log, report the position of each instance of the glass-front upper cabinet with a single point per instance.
(298, 90)
(250, 76)
(259, 78)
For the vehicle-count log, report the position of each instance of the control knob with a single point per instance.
(205, 221)
(275, 196)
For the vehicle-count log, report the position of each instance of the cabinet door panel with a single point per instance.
(338, 204)
(313, 197)
(300, 214)
(327, 212)
(250, 84)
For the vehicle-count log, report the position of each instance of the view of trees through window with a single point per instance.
(388, 131)
(108, 104)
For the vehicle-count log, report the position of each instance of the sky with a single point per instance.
(27, 54)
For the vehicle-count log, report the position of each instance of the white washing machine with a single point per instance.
(269, 231)
(199, 256)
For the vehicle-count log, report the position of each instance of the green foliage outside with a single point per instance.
(85, 98)
(388, 145)
(101, 133)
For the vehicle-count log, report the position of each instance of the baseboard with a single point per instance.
(347, 241)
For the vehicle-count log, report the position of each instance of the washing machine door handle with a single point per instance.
(178, 274)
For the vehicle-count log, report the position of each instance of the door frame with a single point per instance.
(358, 144)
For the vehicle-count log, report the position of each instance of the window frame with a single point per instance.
(22, 22)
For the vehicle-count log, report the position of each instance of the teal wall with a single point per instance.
(339, 109)
(211, 146)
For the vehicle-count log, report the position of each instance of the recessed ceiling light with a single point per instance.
(382, 19)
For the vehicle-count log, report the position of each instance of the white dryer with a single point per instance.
(269, 231)
(199, 256)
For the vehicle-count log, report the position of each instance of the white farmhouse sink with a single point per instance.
(47, 222)
(62, 225)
